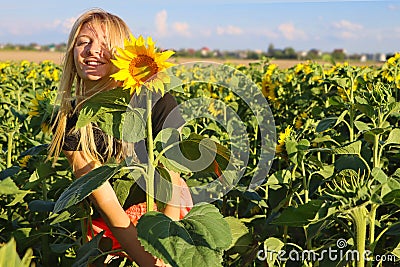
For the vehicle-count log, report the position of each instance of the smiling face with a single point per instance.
(91, 55)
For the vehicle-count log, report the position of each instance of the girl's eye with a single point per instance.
(82, 42)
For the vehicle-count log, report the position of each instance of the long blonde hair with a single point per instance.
(71, 85)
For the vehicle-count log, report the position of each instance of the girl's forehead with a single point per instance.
(93, 29)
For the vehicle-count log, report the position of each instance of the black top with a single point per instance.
(165, 114)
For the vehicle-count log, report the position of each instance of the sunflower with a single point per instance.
(283, 136)
(141, 65)
(23, 162)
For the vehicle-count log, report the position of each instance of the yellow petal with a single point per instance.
(121, 64)
(165, 55)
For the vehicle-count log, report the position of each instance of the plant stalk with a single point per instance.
(359, 215)
(150, 148)
(10, 136)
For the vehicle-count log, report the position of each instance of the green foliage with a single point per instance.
(10, 258)
(197, 239)
(335, 175)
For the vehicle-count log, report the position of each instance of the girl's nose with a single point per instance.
(94, 49)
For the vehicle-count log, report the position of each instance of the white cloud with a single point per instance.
(19, 28)
(347, 35)
(161, 23)
(229, 30)
(347, 25)
(347, 30)
(182, 28)
(206, 32)
(289, 31)
(269, 34)
(393, 7)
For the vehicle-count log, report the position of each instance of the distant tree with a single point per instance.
(289, 53)
(252, 55)
(338, 54)
(313, 54)
(271, 50)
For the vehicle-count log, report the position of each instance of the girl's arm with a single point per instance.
(117, 220)
(172, 208)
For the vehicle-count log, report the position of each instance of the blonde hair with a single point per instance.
(71, 85)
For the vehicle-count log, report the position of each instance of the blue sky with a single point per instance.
(356, 26)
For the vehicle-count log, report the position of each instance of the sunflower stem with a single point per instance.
(150, 147)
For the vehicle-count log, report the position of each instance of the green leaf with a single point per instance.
(111, 111)
(133, 126)
(60, 248)
(82, 187)
(379, 175)
(10, 258)
(396, 251)
(394, 107)
(62, 217)
(88, 251)
(194, 154)
(18, 198)
(9, 172)
(326, 171)
(123, 186)
(393, 197)
(271, 246)
(197, 240)
(241, 237)
(8, 187)
(326, 124)
(352, 148)
(116, 100)
(279, 177)
(351, 162)
(366, 109)
(300, 216)
(35, 150)
(394, 137)
(325, 138)
(361, 126)
(41, 205)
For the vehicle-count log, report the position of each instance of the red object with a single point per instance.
(136, 211)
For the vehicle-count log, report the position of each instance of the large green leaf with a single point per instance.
(197, 240)
(394, 137)
(112, 113)
(368, 110)
(352, 162)
(82, 187)
(9, 256)
(392, 197)
(116, 100)
(352, 149)
(241, 237)
(187, 155)
(299, 216)
(8, 187)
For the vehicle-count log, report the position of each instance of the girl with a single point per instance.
(87, 68)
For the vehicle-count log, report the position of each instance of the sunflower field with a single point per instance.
(331, 196)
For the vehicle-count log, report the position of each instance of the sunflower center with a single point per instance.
(142, 68)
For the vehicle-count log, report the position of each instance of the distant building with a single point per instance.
(204, 51)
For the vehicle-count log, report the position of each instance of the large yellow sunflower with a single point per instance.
(141, 65)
